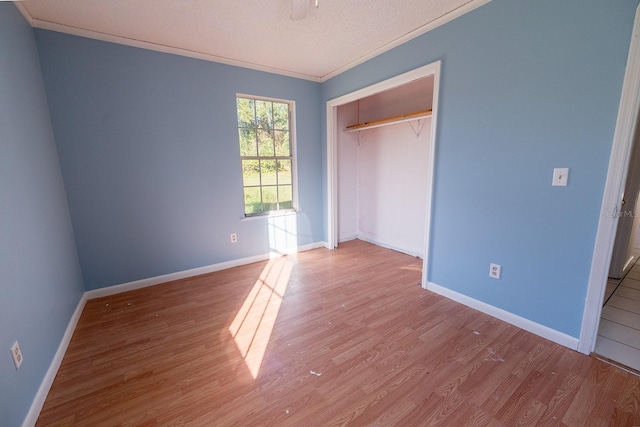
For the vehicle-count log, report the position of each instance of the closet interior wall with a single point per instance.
(382, 176)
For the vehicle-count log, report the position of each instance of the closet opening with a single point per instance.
(381, 145)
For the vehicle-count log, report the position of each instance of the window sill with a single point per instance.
(270, 215)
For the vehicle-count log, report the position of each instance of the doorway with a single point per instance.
(618, 337)
(628, 114)
(427, 71)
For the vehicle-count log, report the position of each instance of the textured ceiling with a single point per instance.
(254, 33)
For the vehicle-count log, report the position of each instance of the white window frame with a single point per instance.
(294, 158)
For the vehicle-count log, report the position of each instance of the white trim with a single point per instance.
(448, 17)
(384, 245)
(332, 174)
(24, 12)
(464, 9)
(151, 281)
(348, 238)
(432, 69)
(80, 32)
(399, 80)
(272, 214)
(431, 173)
(47, 381)
(614, 188)
(293, 147)
(515, 320)
(312, 246)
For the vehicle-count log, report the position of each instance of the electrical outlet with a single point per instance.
(234, 237)
(494, 271)
(16, 354)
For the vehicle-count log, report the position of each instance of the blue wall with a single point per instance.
(149, 154)
(147, 146)
(526, 86)
(41, 281)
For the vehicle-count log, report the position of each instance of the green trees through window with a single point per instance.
(264, 130)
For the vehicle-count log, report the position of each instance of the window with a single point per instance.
(266, 153)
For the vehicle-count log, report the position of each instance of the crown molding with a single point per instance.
(80, 32)
(23, 11)
(448, 17)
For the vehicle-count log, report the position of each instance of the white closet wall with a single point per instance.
(382, 177)
(392, 187)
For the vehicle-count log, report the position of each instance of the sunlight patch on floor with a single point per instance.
(251, 328)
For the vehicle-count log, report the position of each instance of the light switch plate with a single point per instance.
(560, 177)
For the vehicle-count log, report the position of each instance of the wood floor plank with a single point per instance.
(342, 337)
(629, 402)
(591, 400)
(561, 401)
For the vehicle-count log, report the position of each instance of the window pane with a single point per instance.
(246, 112)
(248, 144)
(268, 172)
(264, 115)
(285, 194)
(252, 203)
(280, 115)
(265, 143)
(282, 143)
(284, 172)
(250, 172)
(270, 198)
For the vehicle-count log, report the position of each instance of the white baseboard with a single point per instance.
(384, 245)
(347, 238)
(316, 245)
(143, 283)
(47, 381)
(526, 324)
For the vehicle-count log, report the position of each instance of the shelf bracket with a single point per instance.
(355, 136)
(418, 127)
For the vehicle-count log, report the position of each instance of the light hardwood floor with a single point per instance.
(322, 338)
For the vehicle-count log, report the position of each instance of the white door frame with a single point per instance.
(613, 192)
(432, 69)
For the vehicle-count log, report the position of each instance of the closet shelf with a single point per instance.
(389, 121)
